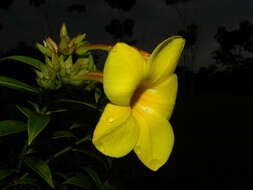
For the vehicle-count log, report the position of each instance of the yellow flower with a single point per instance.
(142, 94)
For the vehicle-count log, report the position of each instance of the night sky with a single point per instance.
(154, 21)
(213, 127)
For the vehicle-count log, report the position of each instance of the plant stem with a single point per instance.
(68, 148)
(20, 162)
(103, 47)
(96, 76)
(106, 47)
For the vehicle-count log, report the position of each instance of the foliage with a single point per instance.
(46, 144)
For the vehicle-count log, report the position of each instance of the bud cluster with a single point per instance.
(64, 61)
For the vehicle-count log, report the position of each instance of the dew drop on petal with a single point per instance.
(110, 120)
(152, 90)
(146, 109)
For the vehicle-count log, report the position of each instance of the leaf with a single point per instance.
(63, 175)
(80, 102)
(28, 60)
(79, 180)
(63, 134)
(41, 168)
(8, 127)
(94, 176)
(74, 125)
(15, 84)
(24, 110)
(5, 173)
(36, 124)
(56, 111)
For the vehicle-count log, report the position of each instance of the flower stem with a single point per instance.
(103, 47)
(106, 47)
(96, 76)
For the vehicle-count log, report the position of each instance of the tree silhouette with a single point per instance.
(121, 30)
(235, 47)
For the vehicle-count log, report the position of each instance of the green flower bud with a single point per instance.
(51, 45)
(81, 51)
(77, 40)
(55, 62)
(63, 31)
(68, 64)
(48, 62)
(44, 50)
(38, 73)
(92, 66)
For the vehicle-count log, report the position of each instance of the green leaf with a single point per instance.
(79, 180)
(74, 125)
(80, 102)
(63, 175)
(5, 173)
(63, 134)
(24, 110)
(41, 168)
(28, 60)
(8, 127)
(15, 84)
(94, 176)
(36, 124)
(56, 111)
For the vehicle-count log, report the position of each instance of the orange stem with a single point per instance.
(106, 47)
(96, 76)
(97, 47)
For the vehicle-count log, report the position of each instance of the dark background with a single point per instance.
(212, 122)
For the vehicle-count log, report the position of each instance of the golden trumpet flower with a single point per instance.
(142, 92)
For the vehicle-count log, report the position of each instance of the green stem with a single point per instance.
(86, 138)
(20, 162)
(81, 102)
(68, 148)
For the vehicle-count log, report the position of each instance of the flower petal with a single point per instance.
(160, 98)
(116, 132)
(163, 60)
(155, 141)
(124, 69)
